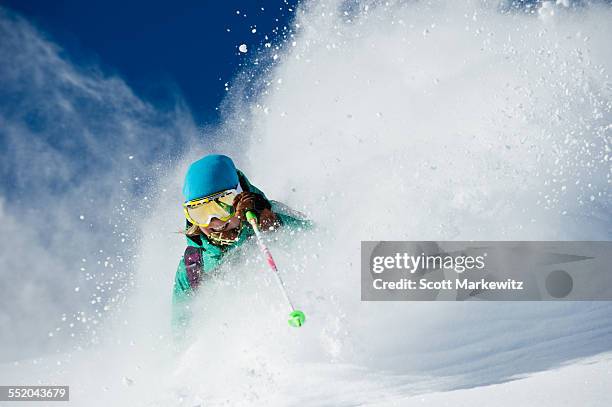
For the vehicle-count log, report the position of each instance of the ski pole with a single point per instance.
(296, 317)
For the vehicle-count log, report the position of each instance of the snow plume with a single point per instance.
(383, 120)
(79, 149)
(416, 121)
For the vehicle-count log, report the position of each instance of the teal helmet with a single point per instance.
(210, 174)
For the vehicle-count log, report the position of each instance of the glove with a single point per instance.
(250, 201)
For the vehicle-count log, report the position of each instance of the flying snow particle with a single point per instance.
(82, 217)
(242, 48)
(546, 10)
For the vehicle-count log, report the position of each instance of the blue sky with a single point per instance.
(159, 47)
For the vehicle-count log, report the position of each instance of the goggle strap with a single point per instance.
(206, 199)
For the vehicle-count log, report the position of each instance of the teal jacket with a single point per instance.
(212, 256)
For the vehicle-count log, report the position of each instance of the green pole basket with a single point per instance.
(296, 319)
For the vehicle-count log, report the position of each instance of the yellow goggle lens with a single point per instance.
(201, 211)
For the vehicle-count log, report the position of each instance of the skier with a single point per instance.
(217, 197)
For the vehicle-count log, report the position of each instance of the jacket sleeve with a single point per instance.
(294, 223)
(183, 292)
(291, 219)
(181, 298)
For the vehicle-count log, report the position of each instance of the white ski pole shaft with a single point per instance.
(268, 256)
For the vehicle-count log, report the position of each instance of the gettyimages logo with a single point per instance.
(412, 263)
(494, 271)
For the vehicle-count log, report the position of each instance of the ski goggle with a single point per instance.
(201, 211)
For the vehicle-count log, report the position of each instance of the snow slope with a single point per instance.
(585, 383)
